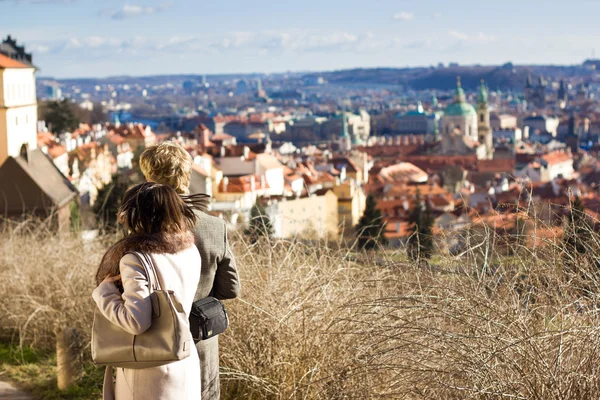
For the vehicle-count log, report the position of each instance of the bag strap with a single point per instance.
(149, 267)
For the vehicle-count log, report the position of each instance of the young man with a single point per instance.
(169, 164)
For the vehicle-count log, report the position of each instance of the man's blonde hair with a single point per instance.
(169, 164)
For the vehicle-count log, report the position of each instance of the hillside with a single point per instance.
(505, 77)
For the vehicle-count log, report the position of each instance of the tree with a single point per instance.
(371, 227)
(109, 200)
(259, 224)
(577, 234)
(97, 115)
(420, 242)
(60, 116)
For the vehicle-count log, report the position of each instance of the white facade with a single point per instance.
(18, 111)
(542, 123)
(516, 134)
(547, 172)
(465, 124)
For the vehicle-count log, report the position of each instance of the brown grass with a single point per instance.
(318, 321)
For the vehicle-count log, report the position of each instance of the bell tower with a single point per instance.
(483, 122)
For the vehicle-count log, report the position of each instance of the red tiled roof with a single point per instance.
(7, 62)
(557, 157)
(242, 184)
(56, 150)
(45, 139)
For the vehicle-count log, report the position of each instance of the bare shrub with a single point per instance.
(319, 321)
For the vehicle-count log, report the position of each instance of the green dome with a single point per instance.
(459, 110)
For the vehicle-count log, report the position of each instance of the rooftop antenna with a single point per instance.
(593, 54)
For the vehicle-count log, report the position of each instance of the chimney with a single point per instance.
(246, 152)
(225, 184)
(222, 151)
(25, 152)
(253, 183)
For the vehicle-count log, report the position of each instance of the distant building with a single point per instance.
(416, 122)
(549, 167)
(351, 204)
(53, 92)
(461, 124)
(562, 95)
(536, 95)
(542, 123)
(30, 184)
(500, 122)
(315, 216)
(18, 108)
(358, 125)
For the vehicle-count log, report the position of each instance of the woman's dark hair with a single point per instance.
(150, 208)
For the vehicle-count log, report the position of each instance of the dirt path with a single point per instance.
(7, 391)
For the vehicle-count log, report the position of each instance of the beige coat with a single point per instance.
(132, 311)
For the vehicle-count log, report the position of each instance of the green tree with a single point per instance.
(60, 116)
(97, 115)
(420, 242)
(259, 224)
(370, 230)
(109, 200)
(577, 234)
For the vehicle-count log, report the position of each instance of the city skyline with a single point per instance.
(79, 38)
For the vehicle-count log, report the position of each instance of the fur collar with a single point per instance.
(157, 244)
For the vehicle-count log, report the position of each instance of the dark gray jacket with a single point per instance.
(219, 278)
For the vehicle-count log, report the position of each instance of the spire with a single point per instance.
(460, 93)
(420, 109)
(572, 124)
(483, 94)
(344, 133)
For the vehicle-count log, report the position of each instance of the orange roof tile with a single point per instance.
(7, 62)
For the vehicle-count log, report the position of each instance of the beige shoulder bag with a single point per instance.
(167, 340)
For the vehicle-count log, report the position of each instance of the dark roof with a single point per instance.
(33, 185)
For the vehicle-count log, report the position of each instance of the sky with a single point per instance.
(85, 38)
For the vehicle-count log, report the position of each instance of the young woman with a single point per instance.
(159, 223)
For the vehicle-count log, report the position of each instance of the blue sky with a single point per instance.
(84, 38)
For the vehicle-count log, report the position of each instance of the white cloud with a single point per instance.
(134, 10)
(267, 42)
(39, 1)
(235, 40)
(404, 16)
(297, 41)
(39, 48)
(478, 38)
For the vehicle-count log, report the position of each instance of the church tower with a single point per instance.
(562, 95)
(483, 122)
(344, 141)
(18, 108)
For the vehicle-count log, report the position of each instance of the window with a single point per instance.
(481, 118)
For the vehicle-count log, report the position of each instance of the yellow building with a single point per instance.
(351, 204)
(315, 216)
(18, 108)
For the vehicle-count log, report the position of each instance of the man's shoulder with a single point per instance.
(205, 220)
